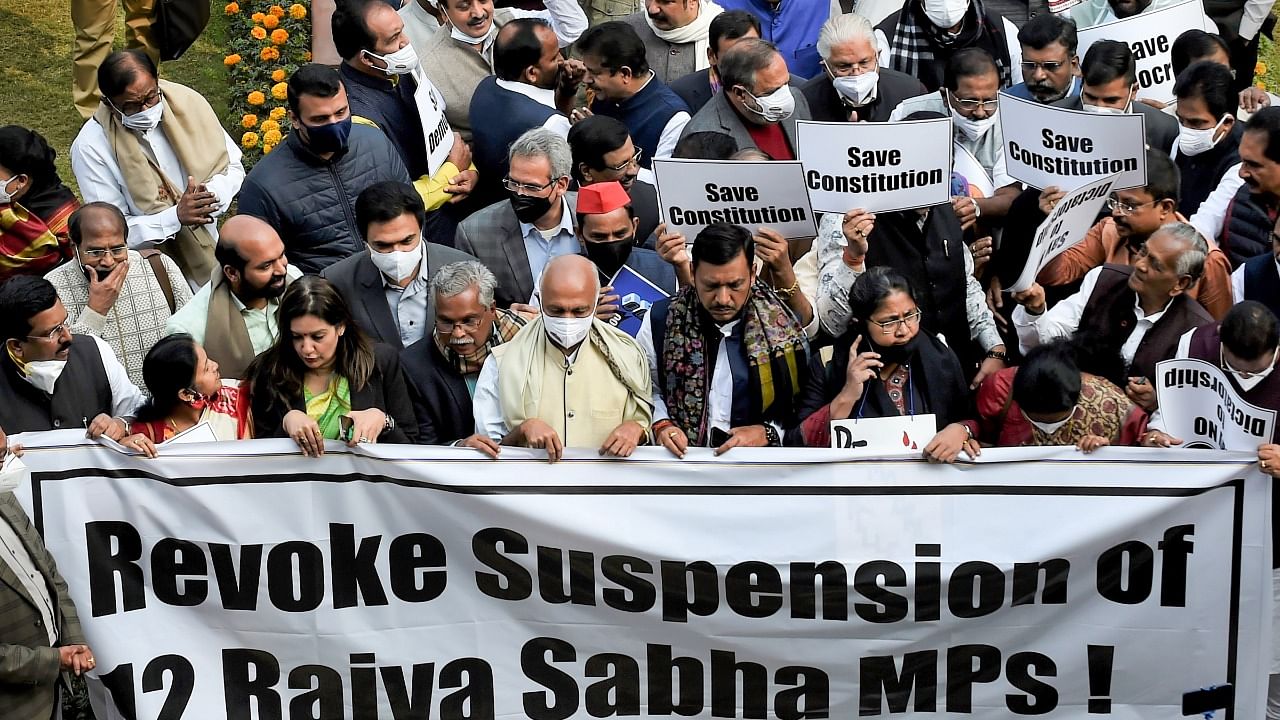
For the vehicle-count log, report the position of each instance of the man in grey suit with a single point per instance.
(517, 237)
(756, 106)
(40, 635)
(387, 285)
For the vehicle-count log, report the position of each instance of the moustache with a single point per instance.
(477, 22)
(64, 346)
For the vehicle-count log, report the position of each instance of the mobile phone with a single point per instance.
(348, 426)
(719, 437)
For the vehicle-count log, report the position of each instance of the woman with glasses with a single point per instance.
(324, 380)
(886, 366)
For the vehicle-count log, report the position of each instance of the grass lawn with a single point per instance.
(35, 79)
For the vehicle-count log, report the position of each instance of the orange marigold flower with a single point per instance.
(277, 75)
(249, 120)
(257, 17)
(276, 10)
(279, 36)
(266, 149)
(232, 8)
(1260, 68)
(280, 91)
(249, 139)
(256, 98)
(269, 53)
(271, 137)
(269, 125)
(306, 55)
(270, 21)
(297, 11)
(231, 60)
(258, 33)
(277, 113)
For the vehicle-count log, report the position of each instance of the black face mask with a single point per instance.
(610, 256)
(529, 208)
(892, 354)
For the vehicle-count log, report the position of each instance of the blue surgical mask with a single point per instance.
(329, 138)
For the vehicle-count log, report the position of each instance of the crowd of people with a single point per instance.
(428, 256)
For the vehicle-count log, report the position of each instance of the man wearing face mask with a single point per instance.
(567, 379)
(607, 229)
(1208, 148)
(386, 287)
(115, 293)
(1110, 84)
(923, 36)
(697, 87)
(676, 35)
(853, 87)
(1050, 66)
(51, 379)
(516, 238)
(157, 151)
(386, 87)
(307, 186)
(757, 106)
(459, 54)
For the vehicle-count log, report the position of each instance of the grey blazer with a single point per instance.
(719, 116)
(493, 236)
(360, 283)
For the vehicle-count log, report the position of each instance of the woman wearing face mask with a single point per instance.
(886, 365)
(186, 389)
(1048, 401)
(324, 380)
(34, 205)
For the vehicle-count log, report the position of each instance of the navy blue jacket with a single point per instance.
(645, 114)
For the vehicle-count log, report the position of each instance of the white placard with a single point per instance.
(876, 166)
(435, 128)
(1150, 35)
(1066, 225)
(905, 433)
(1200, 407)
(968, 167)
(1046, 146)
(692, 194)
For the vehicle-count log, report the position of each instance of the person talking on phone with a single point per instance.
(114, 292)
(324, 380)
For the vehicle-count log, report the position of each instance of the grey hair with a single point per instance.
(740, 64)
(1190, 261)
(455, 278)
(842, 29)
(541, 142)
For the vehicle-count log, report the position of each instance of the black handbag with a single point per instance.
(177, 25)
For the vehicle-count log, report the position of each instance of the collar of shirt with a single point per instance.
(419, 280)
(1154, 317)
(727, 329)
(536, 94)
(528, 230)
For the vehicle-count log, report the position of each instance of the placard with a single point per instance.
(1048, 146)
(1150, 35)
(904, 433)
(693, 194)
(968, 167)
(435, 127)
(876, 166)
(1199, 406)
(1067, 225)
(636, 295)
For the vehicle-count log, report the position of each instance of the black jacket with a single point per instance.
(441, 401)
(894, 87)
(1161, 127)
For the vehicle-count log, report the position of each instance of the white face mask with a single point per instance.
(1194, 142)
(397, 264)
(946, 14)
(567, 332)
(462, 37)
(972, 129)
(5, 196)
(776, 106)
(1250, 382)
(400, 62)
(858, 90)
(1053, 427)
(1100, 110)
(144, 120)
(44, 374)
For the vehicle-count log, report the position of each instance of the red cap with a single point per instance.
(602, 198)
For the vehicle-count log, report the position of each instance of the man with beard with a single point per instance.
(607, 229)
(234, 315)
(1050, 66)
(528, 91)
(442, 369)
(603, 152)
(51, 379)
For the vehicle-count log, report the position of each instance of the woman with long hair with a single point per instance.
(324, 380)
(186, 389)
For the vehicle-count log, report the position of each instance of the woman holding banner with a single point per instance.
(884, 366)
(324, 380)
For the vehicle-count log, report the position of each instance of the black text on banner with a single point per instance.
(876, 166)
(693, 194)
(1047, 146)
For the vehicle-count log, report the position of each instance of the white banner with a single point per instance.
(876, 166)
(244, 581)
(1067, 225)
(692, 194)
(1150, 35)
(435, 128)
(1046, 145)
(1200, 407)
(968, 167)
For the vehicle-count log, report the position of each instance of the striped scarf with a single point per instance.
(912, 47)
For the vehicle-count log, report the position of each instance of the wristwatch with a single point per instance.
(771, 435)
(389, 424)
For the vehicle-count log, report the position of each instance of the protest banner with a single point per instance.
(967, 166)
(875, 166)
(1067, 225)
(241, 580)
(1150, 35)
(904, 433)
(435, 128)
(1046, 146)
(636, 295)
(692, 194)
(1200, 407)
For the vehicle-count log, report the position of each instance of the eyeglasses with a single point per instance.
(858, 67)
(55, 333)
(133, 108)
(525, 188)
(888, 327)
(118, 252)
(446, 327)
(633, 160)
(1029, 67)
(972, 104)
(1124, 209)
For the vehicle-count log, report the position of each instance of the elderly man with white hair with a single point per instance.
(853, 87)
(566, 379)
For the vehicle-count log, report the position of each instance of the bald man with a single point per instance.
(234, 315)
(116, 293)
(566, 379)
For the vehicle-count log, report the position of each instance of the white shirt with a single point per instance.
(408, 304)
(1062, 320)
(719, 396)
(126, 398)
(1212, 213)
(558, 123)
(99, 177)
(14, 555)
(1237, 282)
(486, 406)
